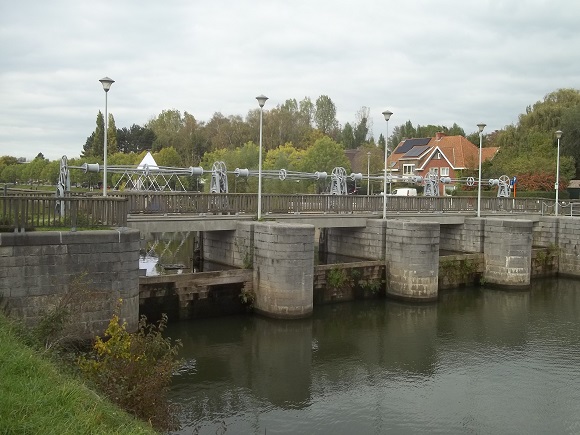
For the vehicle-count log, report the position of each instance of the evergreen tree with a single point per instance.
(96, 149)
(112, 147)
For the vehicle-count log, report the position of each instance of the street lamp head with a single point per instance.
(107, 82)
(559, 134)
(387, 114)
(261, 100)
(481, 126)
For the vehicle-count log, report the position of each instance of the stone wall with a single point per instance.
(451, 237)
(218, 246)
(466, 237)
(234, 248)
(545, 231)
(367, 242)
(283, 269)
(569, 246)
(348, 281)
(85, 272)
(460, 270)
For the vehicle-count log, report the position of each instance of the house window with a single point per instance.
(408, 169)
(445, 172)
(438, 155)
(434, 171)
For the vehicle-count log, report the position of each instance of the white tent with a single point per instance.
(149, 176)
(148, 162)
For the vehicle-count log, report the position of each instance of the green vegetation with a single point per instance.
(337, 279)
(457, 271)
(248, 297)
(37, 398)
(134, 370)
(306, 136)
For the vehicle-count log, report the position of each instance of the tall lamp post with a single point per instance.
(556, 186)
(387, 114)
(106, 82)
(368, 173)
(481, 126)
(261, 101)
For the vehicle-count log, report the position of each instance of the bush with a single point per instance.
(134, 370)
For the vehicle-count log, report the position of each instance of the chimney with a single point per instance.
(439, 135)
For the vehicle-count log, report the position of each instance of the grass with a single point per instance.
(36, 398)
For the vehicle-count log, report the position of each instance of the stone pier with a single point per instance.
(508, 253)
(412, 255)
(283, 261)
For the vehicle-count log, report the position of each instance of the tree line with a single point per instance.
(306, 136)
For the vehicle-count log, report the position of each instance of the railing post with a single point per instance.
(15, 209)
(73, 206)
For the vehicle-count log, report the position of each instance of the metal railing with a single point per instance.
(27, 211)
(20, 213)
(246, 203)
(567, 208)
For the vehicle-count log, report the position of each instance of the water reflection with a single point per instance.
(173, 253)
(478, 360)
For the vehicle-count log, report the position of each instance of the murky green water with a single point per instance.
(478, 361)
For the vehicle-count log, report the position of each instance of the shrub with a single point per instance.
(134, 369)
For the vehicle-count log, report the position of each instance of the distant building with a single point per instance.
(442, 155)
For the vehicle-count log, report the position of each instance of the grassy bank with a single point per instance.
(35, 398)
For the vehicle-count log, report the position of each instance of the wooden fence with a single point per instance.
(19, 213)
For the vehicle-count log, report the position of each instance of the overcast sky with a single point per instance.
(431, 62)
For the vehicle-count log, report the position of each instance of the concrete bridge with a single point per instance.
(158, 212)
(503, 251)
(278, 252)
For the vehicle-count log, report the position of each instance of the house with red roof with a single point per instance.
(442, 155)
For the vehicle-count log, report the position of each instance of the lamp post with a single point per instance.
(261, 101)
(106, 82)
(481, 126)
(387, 114)
(368, 173)
(556, 186)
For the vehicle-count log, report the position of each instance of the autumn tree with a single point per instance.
(166, 128)
(192, 140)
(168, 157)
(284, 157)
(325, 115)
(570, 142)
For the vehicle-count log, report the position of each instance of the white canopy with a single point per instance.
(148, 161)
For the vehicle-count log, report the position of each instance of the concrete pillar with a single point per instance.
(283, 269)
(412, 254)
(508, 253)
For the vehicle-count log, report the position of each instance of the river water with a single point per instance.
(478, 361)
